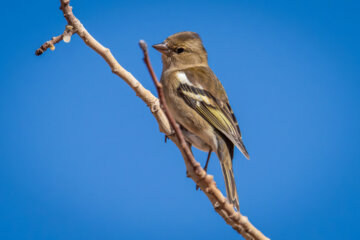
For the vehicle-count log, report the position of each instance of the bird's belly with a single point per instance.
(195, 129)
(195, 140)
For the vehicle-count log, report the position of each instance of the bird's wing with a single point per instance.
(196, 93)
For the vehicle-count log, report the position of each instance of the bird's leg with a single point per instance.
(206, 166)
(187, 172)
(167, 136)
(207, 161)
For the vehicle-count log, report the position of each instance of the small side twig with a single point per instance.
(159, 88)
(66, 36)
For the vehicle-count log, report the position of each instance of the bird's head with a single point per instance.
(181, 50)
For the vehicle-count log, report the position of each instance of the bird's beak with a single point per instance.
(161, 47)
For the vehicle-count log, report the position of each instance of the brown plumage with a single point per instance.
(199, 102)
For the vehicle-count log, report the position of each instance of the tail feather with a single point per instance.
(225, 152)
(240, 145)
(231, 191)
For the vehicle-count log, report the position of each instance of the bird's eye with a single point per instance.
(179, 50)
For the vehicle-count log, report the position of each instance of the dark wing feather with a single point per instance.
(214, 111)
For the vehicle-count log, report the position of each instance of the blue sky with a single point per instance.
(81, 156)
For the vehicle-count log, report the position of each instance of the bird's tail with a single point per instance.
(225, 152)
(231, 191)
(240, 145)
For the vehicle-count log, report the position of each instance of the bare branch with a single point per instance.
(166, 123)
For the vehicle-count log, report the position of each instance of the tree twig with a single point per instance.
(166, 123)
(66, 35)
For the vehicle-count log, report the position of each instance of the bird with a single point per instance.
(198, 102)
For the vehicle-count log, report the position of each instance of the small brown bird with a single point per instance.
(199, 103)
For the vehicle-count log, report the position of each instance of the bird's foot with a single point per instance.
(169, 135)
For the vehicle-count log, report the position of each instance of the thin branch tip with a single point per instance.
(65, 36)
(143, 45)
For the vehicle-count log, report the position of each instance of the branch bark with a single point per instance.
(166, 124)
